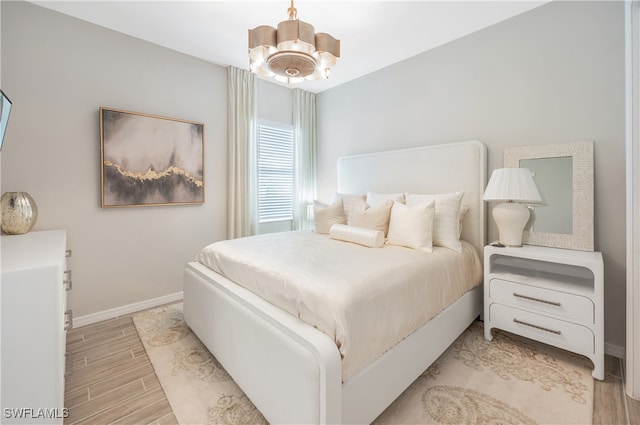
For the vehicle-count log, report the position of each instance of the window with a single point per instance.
(275, 172)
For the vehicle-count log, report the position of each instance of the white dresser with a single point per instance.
(35, 318)
(547, 294)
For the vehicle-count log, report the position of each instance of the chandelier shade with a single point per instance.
(293, 52)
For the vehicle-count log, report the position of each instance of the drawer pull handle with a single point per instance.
(67, 281)
(520, 322)
(526, 297)
(68, 320)
(68, 370)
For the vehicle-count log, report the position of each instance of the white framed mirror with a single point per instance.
(564, 176)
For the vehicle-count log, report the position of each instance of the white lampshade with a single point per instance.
(512, 184)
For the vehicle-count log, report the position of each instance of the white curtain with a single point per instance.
(242, 216)
(304, 125)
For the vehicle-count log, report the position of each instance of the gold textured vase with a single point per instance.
(19, 212)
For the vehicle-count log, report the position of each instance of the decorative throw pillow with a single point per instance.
(374, 198)
(463, 212)
(348, 201)
(446, 223)
(326, 216)
(376, 218)
(366, 237)
(412, 227)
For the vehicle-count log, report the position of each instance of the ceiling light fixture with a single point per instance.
(293, 52)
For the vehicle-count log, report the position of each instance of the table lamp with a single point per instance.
(513, 186)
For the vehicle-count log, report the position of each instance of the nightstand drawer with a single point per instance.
(562, 334)
(570, 306)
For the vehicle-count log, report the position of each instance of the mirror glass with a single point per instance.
(564, 177)
(553, 177)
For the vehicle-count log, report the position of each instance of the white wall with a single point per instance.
(552, 75)
(275, 103)
(59, 71)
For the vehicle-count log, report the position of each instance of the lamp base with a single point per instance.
(510, 218)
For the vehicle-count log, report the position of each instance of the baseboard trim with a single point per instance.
(125, 309)
(614, 350)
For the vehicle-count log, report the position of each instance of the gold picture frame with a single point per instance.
(149, 160)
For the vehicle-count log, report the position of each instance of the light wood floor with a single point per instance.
(111, 381)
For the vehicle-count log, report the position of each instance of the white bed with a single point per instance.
(292, 371)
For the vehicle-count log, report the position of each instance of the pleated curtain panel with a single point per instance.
(304, 125)
(242, 204)
(242, 198)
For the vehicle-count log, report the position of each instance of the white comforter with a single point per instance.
(366, 299)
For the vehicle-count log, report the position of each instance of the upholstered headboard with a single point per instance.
(432, 169)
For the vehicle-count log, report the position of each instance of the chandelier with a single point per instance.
(293, 52)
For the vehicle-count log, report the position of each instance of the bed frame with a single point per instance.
(290, 370)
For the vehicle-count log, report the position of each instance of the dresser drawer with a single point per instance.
(552, 331)
(570, 306)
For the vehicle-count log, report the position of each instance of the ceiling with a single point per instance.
(373, 34)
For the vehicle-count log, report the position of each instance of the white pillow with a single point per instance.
(463, 211)
(348, 201)
(412, 227)
(446, 223)
(376, 218)
(326, 216)
(367, 237)
(374, 199)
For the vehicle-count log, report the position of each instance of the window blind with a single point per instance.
(275, 172)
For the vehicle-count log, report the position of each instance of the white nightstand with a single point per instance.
(550, 295)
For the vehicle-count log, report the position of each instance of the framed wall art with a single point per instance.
(149, 160)
(5, 110)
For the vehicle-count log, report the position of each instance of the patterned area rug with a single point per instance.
(510, 380)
